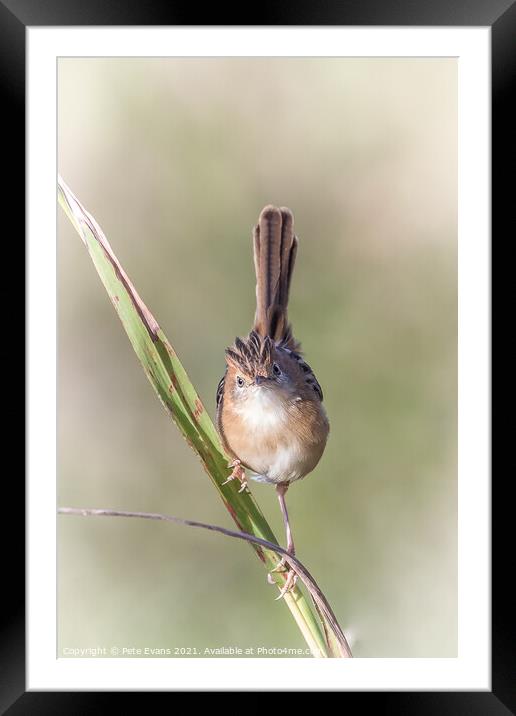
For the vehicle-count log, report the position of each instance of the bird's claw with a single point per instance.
(290, 579)
(237, 474)
(290, 583)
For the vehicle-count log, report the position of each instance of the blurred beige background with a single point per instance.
(175, 158)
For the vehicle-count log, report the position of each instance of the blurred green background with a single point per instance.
(175, 159)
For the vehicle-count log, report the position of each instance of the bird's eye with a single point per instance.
(240, 381)
(276, 369)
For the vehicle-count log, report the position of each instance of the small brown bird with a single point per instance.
(270, 414)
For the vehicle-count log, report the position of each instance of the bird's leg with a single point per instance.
(237, 474)
(291, 577)
(281, 491)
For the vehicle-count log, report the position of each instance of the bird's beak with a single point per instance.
(260, 379)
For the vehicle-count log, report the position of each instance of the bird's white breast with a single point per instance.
(263, 411)
(273, 452)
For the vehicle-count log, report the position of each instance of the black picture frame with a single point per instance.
(500, 16)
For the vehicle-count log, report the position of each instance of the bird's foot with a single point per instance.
(237, 474)
(289, 585)
(290, 579)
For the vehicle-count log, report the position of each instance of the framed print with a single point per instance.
(208, 175)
